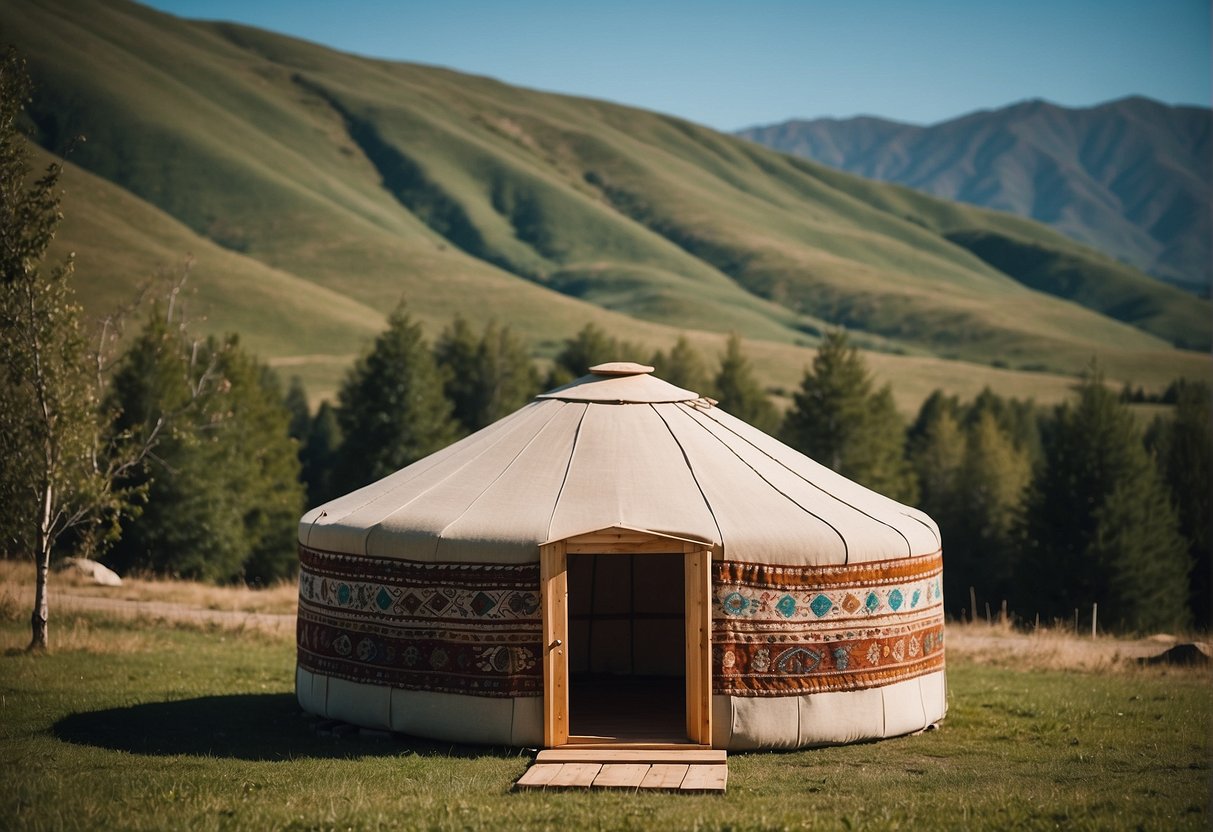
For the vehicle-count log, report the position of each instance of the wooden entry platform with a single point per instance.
(699, 770)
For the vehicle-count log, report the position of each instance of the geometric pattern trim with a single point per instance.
(477, 628)
(448, 627)
(786, 630)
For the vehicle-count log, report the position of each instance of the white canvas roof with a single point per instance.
(619, 448)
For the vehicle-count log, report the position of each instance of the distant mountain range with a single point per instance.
(1132, 178)
(315, 189)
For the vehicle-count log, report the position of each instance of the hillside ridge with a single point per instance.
(1131, 177)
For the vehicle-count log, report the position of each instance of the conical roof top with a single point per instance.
(620, 382)
(619, 448)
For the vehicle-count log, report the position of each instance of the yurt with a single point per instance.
(621, 561)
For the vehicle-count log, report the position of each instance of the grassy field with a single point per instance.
(149, 724)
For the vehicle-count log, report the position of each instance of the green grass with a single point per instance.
(197, 729)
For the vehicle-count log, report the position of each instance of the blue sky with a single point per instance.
(736, 64)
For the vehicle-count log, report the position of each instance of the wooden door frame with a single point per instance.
(554, 592)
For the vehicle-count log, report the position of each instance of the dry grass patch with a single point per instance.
(1044, 649)
(85, 617)
(278, 599)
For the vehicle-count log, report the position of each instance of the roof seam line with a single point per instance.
(372, 498)
(567, 468)
(918, 520)
(846, 549)
(691, 470)
(440, 536)
(831, 495)
(480, 449)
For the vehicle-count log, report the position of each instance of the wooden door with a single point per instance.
(553, 559)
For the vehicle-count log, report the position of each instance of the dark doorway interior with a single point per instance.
(627, 654)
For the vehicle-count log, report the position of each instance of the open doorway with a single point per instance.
(641, 607)
(627, 647)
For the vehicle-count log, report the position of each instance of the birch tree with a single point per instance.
(62, 466)
(54, 475)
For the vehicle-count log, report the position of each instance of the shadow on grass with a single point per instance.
(241, 726)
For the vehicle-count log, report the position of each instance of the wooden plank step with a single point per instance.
(705, 779)
(575, 776)
(584, 768)
(664, 776)
(538, 775)
(589, 754)
(621, 775)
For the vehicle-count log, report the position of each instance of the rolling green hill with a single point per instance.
(316, 188)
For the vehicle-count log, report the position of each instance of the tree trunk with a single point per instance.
(38, 638)
(38, 641)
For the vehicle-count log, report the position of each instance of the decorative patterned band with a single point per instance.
(453, 628)
(845, 661)
(477, 628)
(791, 630)
(870, 573)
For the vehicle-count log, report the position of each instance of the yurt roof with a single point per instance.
(619, 448)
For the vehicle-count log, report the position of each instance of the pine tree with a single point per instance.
(319, 456)
(590, 346)
(683, 367)
(222, 490)
(837, 419)
(880, 463)
(296, 405)
(392, 410)
(487, 377)
(1140, 560)
(738, 390)
(1183, 447)
(1019, 419)
(1097, 520)
(931, 410)
(937, 456)
(508, 376)
(263, 460)
(990, 489)
(455, 353)
(187, 526)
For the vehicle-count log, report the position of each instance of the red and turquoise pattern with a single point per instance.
(453, 628)
(808, 629)
(477, 628)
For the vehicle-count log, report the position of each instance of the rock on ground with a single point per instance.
(96, 572)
